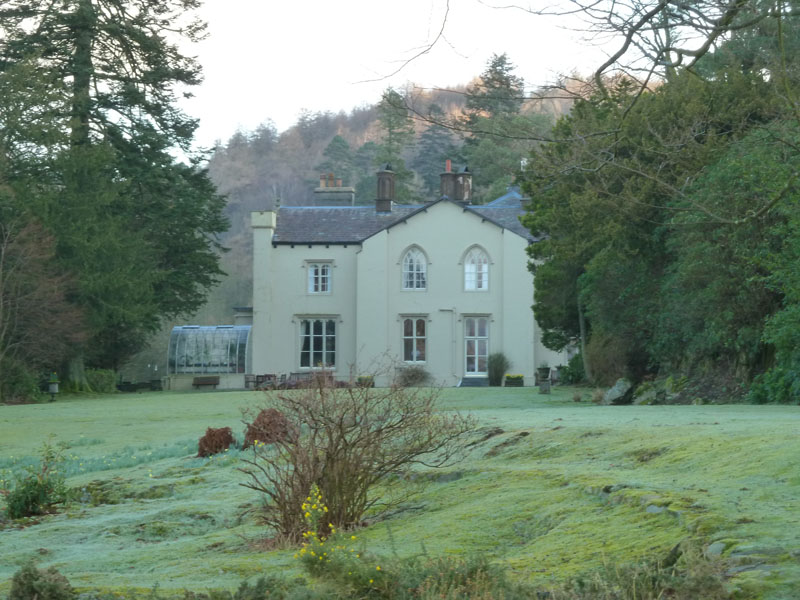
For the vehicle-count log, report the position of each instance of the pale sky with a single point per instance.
(267, 59)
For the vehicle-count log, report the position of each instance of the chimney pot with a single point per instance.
(463, 186)
(322, 180)
(447, 181)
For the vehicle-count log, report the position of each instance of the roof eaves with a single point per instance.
(529, 237)
(314, 243)
(404, 218)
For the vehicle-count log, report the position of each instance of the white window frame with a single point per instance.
(415, 338)
(476, 339)
(476, 270)
(320, 277)
(322, 343)
(415, 270)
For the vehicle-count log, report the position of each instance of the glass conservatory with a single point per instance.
(212, 349)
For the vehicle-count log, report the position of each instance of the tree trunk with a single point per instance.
(81, 68)
(76, 375)
(587, 368)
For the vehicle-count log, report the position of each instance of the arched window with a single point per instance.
(476, 270)
(414, 270)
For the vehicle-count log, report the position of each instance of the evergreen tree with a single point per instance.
(499, 134)
(435, 146)
(137, 227)
(398, 135)
(365, 182)
(498, 91)
(338, 160)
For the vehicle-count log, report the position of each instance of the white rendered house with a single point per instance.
(441, 285)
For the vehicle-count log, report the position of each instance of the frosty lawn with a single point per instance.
(564, 488)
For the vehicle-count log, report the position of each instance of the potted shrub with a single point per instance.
(543, 371)
(514, 380)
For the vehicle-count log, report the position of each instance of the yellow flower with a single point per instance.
(352, 537)
(370, 580)
(378, 568)
(307, 515)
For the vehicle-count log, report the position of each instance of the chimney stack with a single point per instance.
(331, 192)
(385, 197)
(456, 186)
(447, 181)
(463, 186)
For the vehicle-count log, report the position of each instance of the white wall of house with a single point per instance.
(368, 303)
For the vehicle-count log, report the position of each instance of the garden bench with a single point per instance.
(212, 380)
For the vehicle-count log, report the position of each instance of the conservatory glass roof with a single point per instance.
(208, 349)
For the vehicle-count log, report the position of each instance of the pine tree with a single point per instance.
(149, 222)
(398, 134)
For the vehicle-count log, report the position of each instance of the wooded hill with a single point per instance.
(413, 130)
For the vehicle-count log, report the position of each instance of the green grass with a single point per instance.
(565, 489)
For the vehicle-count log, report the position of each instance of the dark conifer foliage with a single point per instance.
(135, 226)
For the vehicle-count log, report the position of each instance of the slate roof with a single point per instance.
(335, 224)
(512, 198)
(354, 224)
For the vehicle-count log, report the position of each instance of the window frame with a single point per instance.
(327, 341)
(415, 338)
(314, 275)
(476, 338)
(416, 274)
(473, 273)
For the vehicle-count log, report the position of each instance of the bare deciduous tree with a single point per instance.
(37, 323)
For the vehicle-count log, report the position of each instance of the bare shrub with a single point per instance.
(597, 395)
(348, 441)
(214, 441)
(268, 427)
(411, 376)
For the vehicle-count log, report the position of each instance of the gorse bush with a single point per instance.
(779, 385)
(18, 383)
(573, 372)
(691, 577)
(102, 381)
(39, 488)
(30, 583)
(333, 557)
(346, 441)
(498, 366)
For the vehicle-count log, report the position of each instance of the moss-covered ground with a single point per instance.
(550, 488)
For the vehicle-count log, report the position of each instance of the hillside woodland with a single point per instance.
(413, 130)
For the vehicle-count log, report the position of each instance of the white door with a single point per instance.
(476, 346)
